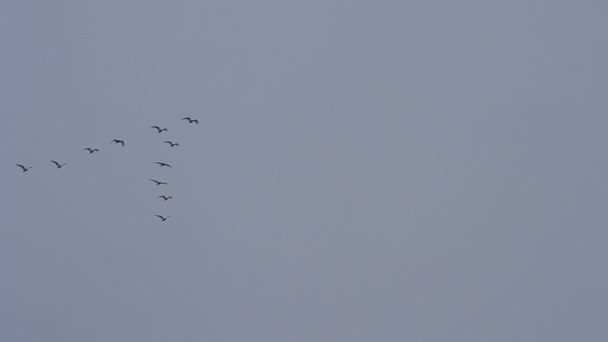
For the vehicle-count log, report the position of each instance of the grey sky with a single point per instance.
(363, 171)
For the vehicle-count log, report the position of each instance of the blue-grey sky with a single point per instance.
(363, 171)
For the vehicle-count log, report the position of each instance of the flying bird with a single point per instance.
(162, 218)
(23, 167)
(160, 130)
(190, 120)
(118, 141)
(165, 197)
(59, 166)
(171, 143)
(91, 150)
(157, 182)
(162, 164)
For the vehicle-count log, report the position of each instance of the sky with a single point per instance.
(362, 171)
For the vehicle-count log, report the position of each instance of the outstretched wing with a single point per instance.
(21, 166)
(56, 163)
(195, 121)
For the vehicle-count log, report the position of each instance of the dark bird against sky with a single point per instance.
(165, 197)
(158, 182)
(162, 164)
(91, 150)
(23, 167)
(160, 130)
(59, 166)
(190, 120)
(162, 218)
(118, 141)
(171, 143)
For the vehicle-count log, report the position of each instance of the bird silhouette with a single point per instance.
(59, 166)
(157, 182)
(160, 130)
(162, 218)
(91, 150)
(23, 167)
(190, 120)
(171, 143)
(118, 141)
(165, 197)
(162, 164)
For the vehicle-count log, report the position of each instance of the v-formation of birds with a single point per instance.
(121, 142)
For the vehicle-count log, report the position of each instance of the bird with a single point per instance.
(160, 130)
(171, 143)
(157, 182)
(118, 141)
(190, 120)
(59, 166)
(23, 167)
(165, 197)
(162, 164)
(162, 218)
(91, 150)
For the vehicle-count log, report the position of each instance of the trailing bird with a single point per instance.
(23, 167)
(171, 143)
(118, 141)
(190, 120)
(162, 218)
(162, 164)
(59, 166)
(157, 182)
(91, 150)
(165, 197)
(160, 130)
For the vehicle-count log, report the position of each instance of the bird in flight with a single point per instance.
(23, 167)
(160, 130)
(165, 197)
(118, 141)
(91, 150)
(191, 120)
(157, 182)
(59, 166)
(171, 143)
(162, 218)
(162, 164)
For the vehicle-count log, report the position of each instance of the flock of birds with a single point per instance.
(90, 150)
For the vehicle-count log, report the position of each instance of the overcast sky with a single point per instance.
(363, 171)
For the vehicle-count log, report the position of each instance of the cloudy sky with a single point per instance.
(362, 171)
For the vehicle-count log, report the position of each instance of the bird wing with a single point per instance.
(21, 166)
(56, 163)
(186, 118)
(195, 120)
